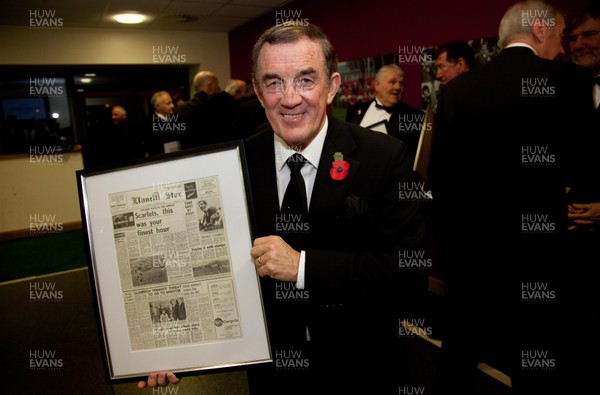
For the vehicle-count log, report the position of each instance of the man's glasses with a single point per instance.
(281, 86)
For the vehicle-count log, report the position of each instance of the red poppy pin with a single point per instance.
(339, 169)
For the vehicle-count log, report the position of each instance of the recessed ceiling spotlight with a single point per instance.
(130, 18)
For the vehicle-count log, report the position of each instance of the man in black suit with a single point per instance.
(208, 116)
(386, 113)
(342, 251)
(584, 203)
(453, 58)
(162, 129)
(503, 156)
(113, 142)
(329, 265)
(584, 43)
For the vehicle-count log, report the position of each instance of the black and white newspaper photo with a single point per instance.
(174, 264)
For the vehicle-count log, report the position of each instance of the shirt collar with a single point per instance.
(312, 153)
(522, 45)
(161, 116)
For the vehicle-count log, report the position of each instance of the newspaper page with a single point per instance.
(174, 264)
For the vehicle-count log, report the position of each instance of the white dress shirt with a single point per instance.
(376, 118)
(522, 45)
(312, 153)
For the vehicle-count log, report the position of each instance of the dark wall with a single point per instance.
(359, 28)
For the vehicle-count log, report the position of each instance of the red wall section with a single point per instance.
(359, 28)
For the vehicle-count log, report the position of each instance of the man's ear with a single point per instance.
(538, 31)
(462, 65)
(334, 86)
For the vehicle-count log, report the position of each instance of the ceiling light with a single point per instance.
(86, 80)
(129, 18)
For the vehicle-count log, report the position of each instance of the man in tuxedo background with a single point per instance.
(504, 151)
(336, 243)
(386, 113)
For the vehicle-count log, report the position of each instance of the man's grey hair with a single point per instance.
(203, 79)
(518, 20)
(233, 87)
(157, 97)
(386, 68)
(289, 32)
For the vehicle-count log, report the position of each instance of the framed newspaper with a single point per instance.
(172, 278)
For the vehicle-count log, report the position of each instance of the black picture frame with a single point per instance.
(151, 244)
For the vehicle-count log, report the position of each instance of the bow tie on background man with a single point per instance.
(388, 109)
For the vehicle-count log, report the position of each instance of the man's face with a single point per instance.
(584, 43)
(389, 88)
(446, 71)
(551, 47)
(202, 205)
(118, 115)
(294, 88)
(165, 105)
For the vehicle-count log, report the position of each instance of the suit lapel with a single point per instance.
(359, 112)
(328, 193)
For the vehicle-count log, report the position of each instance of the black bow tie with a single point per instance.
(388, 109)
(596, 80)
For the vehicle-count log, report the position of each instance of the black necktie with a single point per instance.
(294, 200)
(388, 109)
